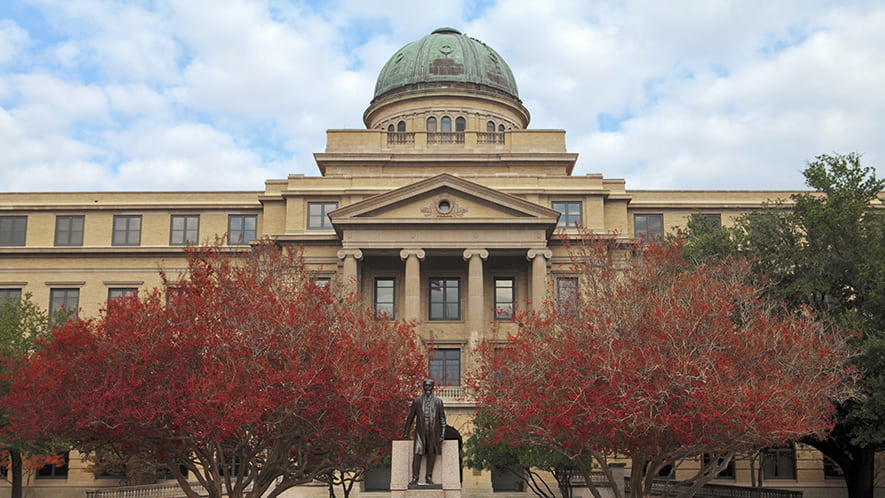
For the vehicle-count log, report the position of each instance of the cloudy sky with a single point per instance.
(223, 94)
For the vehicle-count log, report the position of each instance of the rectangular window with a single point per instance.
(55, 470)
(504, 298)
(712, 220)
(69, 230)
(832, 470)
(241, 228)
(185, 229)
(726, 473)
(13, 230)
(648, 226)
(318, 214)
(571, 213)
(385, 297)
(445, 299)
(127, 230)
(445, 367)
(566, 292)
(779, 463)
(63, 303)
(10, 295)
(120, 292)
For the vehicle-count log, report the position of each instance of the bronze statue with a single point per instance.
(430, 428)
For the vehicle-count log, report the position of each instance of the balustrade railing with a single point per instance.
(400, 138)
(445, 137)
(164, 490)
(489, 138)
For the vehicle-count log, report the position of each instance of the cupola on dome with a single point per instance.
(446, 56)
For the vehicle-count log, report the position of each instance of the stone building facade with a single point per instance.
(446, 210)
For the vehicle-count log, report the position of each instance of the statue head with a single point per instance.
(428, 386)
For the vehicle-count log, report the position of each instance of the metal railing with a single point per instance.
(451, 392)
(666, 488)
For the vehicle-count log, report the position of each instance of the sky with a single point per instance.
(104, 95)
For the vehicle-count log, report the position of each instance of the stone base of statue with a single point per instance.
(446, 473)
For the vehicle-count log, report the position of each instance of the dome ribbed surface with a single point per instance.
(446, 56)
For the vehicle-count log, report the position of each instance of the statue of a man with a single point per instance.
(430, 426)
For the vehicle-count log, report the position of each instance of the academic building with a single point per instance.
(447, 209)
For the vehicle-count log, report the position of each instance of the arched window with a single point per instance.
(445, 124)
(401, 126)
(390, 128)
(490, 126)
(460, 123)
(431, 124)
(500, 127)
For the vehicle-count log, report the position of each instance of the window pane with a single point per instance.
(431, 124)
(63, 302)
(185, 230)
(10, 295)
(460, 124)
(127, 230)
(571, 213)
(401, 126)
(446, 124)
(648, 226)
(241, 228)
(12, 230)
(504, 298)
(445, 299)
(384, 297)
(445, 367)
(490, 126)
(69, 230)
(317, 214)
(566, 292)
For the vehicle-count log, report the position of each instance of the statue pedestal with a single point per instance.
(446, 472)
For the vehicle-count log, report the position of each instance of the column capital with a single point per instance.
(469, 253)
(543, 252)
(356, 254)
(407, 253)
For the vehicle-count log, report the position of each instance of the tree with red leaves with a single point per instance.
(659, 362)
(242, 371)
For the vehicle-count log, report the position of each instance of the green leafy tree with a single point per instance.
(826, 249)
(22, 325)
(483, 451)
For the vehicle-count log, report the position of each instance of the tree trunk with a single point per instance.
(860, 475)
(15, 457)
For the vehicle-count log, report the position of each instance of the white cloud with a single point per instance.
(13, 39)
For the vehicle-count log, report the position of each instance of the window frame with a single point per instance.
(10, 294)
(70, 237)
(780, 454)
(570, 300)
(184, 232)
(490, 127)
(50, 471)
(712, 219)
(401, 127)
(460, 124)
(571, 213)
(323, 216)
(506, 312)
(66, 303)
(445, 124)
(439, 368)
(127, 231)
(445, 285)
(242, 239)
(430, 124)
(377, 303)
(13, 230)
(647, 234)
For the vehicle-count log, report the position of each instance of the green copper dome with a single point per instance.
(444, 57)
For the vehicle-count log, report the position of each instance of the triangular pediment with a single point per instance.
(444, 199)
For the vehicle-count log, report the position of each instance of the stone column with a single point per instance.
(412, 298)
(539, 258)
(349, 275)
(475, 291)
